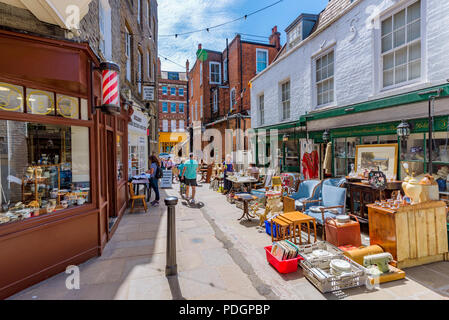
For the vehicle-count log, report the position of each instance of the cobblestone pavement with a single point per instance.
(218, 258)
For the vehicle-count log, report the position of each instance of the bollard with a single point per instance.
(171, 268)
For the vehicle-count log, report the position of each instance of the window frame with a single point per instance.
(179, 92)
(171, 91)
(225, 70)
(172, 107)
(232, 95)
(261, 108)
(163, 107)
(164, 128)
(128, 53)
(257, 61)
(164, 88)
(422, 40)
(215, 101)
(183, 108)
(139, 81)
(282, 101)
(317, 57)
(201, 73)
(211, 63)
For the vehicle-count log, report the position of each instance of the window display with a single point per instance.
(412, 152)
(43, 169)
(292, 154)
(120, 175)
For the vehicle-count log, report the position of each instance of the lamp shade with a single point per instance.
(110, 87)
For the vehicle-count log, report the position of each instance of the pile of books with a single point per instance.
(284, 250)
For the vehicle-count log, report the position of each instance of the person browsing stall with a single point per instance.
(190, 172)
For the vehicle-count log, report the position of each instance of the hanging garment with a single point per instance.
(310, 166)
(327, 165)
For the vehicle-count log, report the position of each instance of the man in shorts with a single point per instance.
(190, 173)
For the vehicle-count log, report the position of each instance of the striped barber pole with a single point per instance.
(110, 85)
(110, 88)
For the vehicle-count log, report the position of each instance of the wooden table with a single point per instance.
(414, 235)
(282, 228)
(364, 194)
(245, 198)
(296, 219)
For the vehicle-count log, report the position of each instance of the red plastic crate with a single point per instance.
(286, 266)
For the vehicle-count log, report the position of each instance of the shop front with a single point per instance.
(138, 143)
(175, 143)
(376, 123)
(62, 173)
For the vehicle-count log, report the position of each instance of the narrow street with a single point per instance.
(219, 258)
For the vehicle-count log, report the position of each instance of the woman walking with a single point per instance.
(155, 166)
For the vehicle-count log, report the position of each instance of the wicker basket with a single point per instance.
(326, 282)
(306, 251)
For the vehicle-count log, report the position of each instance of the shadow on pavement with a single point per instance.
(175, 289)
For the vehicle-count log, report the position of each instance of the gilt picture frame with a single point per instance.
(381, 157)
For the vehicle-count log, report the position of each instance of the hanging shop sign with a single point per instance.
(110, 87)
(148, 93)
(139, 122)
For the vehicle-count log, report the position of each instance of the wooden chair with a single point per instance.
(133, 197)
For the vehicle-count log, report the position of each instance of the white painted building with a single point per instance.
(349, 35)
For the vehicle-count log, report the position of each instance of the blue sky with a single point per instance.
(177, 16)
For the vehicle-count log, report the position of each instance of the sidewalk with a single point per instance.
(133, 264)
(218, 258)
(245, 244)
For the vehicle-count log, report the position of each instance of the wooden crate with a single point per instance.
(414, 235)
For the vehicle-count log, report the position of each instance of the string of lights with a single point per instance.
(167, 59)
(246, 16)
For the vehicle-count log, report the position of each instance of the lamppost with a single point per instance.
(326, 136)
(432, 97)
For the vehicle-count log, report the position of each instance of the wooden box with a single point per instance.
(414, 235)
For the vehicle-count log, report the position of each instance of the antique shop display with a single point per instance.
(47, 176)
(414, 234)
(377, 157)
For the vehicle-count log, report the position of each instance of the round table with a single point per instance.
(245, 198)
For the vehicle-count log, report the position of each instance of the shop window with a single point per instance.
(120, 172)
(412, 152)
(44, 169)
(11, 97)
(40, 102)
(84, 110)
(370, 140)
(392, 139)
(67, 107)
(440, 154)
(292, 154)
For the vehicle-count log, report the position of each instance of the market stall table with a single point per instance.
(245, 182)
(245, 198)
(145, 182)
(365, 194)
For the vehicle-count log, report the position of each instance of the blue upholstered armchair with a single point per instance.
(337, 182)
(332, 204)
(308, 190)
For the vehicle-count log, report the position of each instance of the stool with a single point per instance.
(283, 230)
(297, 219)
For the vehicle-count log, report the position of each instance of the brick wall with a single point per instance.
(169, 99)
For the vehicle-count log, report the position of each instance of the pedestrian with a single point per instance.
(228, 168)
(155, 174)
(190, 173)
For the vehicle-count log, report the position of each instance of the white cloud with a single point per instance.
(177, 16)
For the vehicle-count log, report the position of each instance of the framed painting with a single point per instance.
(382, 157)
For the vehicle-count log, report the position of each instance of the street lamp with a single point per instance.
(326, 136)
(403, 130)
(285, 138)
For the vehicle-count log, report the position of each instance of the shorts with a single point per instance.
(191, 182)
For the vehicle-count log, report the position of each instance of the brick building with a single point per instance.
(219, 87)
(173, 98)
